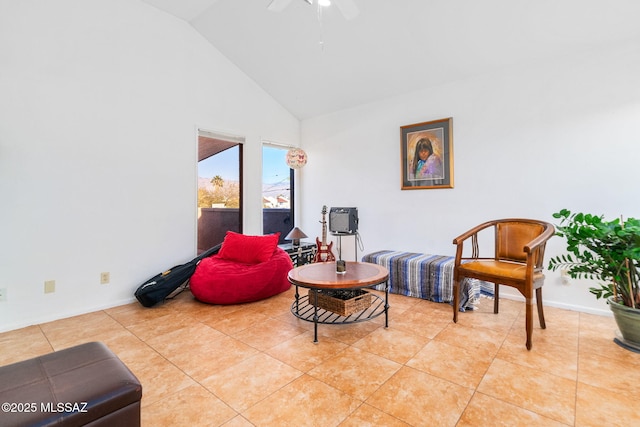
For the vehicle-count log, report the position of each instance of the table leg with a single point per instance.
(386, 304)
(297, 299)
(315, 317)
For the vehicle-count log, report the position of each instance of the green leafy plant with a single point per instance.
(605, 251)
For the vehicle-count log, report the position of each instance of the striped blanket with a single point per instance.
(424, 276)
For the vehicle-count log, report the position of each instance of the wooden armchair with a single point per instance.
(517, 262)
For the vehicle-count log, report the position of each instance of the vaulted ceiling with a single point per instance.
(314, 61)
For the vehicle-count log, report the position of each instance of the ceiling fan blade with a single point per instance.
(348, 8)
(278, 5)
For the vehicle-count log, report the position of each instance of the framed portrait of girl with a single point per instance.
(426, 155)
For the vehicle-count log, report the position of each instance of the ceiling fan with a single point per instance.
(348, 8)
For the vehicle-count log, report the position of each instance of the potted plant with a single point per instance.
(608, 252)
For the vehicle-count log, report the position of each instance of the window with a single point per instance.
(219, 187)
(277, 191)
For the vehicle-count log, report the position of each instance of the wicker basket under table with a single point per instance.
(342, 302)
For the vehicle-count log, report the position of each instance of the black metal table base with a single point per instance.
(303, 309)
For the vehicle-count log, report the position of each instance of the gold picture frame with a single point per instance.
(426, 155)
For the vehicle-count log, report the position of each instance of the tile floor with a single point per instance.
(256, 365)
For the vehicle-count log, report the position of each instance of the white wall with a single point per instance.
(527, 143)
(99, 106)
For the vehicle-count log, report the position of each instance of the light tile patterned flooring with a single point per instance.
(256, 364)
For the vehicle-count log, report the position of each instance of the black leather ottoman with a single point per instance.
(82, 385)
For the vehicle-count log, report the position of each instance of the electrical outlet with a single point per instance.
(564, 274)
(3, 294)
(49, 286)
(105, 278)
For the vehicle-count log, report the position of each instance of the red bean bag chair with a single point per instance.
(247, 268)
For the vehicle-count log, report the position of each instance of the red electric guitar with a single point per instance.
(323, 253)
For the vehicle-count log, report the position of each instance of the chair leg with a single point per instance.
(496, 297)
(529, 320)
(543, 325)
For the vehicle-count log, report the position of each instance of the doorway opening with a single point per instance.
(219, 187)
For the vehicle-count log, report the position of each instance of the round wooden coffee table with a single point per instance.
(328, 289)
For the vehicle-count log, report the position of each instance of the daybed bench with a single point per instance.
(425, 276)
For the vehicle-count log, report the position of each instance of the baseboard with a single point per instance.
(564, 306)
(58, 316)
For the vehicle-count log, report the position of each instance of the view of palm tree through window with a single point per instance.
(218, 180)
(220, 193)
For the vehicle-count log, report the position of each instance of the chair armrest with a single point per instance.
(535, 249)
(541, 239)
(464, 236)
(473, 233)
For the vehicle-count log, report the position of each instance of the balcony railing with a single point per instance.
(213, 224)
